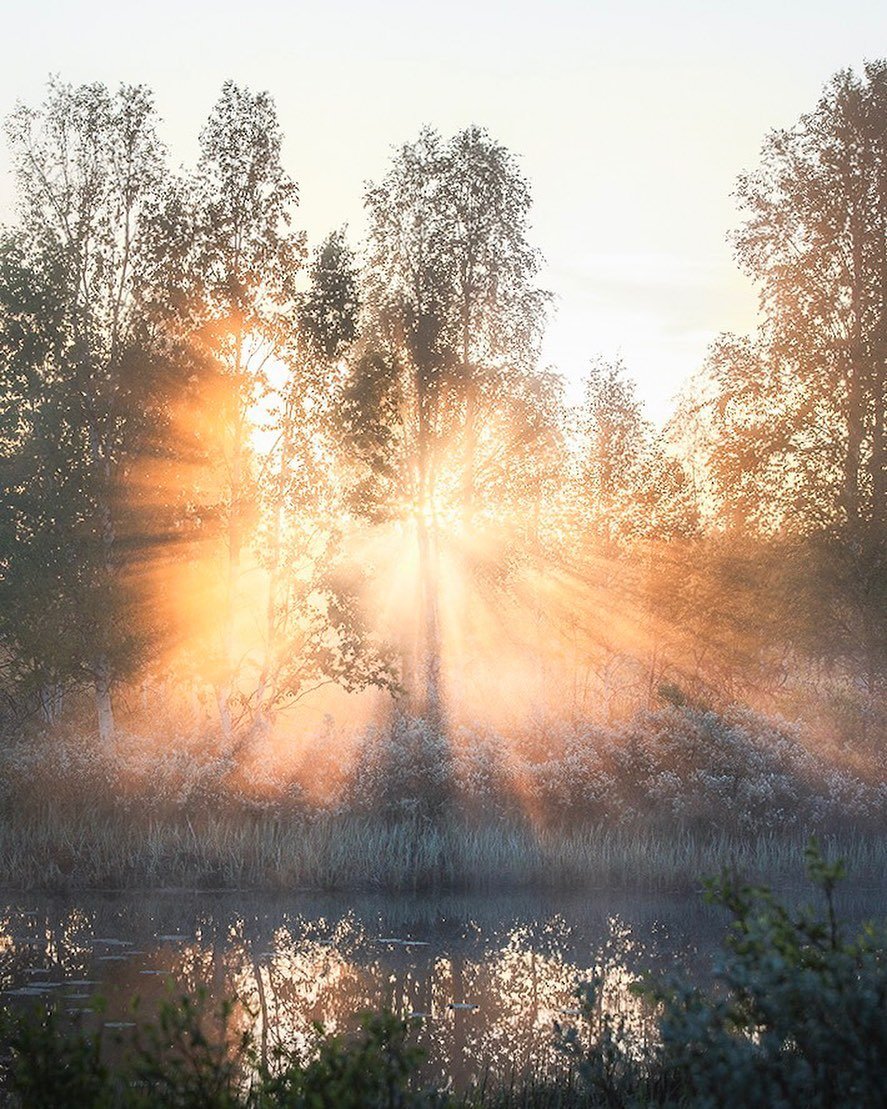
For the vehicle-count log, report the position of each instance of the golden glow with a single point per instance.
(516, 975)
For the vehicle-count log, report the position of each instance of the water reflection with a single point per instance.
(483, 979)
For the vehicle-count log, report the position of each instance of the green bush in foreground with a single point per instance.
(797, 1016)
(191, 1059)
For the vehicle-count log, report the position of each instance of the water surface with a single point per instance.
(483, 978)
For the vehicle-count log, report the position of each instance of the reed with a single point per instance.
(100, 850)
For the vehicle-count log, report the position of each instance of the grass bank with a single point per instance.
(102, 850)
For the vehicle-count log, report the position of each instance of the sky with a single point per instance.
(632, 121)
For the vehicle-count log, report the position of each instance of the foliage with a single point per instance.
(679, 767)
(796, 1017)
(192, 1057)
(814, 238)
(376, 1071)
(85, 371)
(790, 423)
(50, 1066)
(804, 1010)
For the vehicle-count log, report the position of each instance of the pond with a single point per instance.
(482, 977)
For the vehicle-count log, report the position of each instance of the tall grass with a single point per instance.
(46, 850)
(673, 793)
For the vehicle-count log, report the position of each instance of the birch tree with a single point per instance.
(88, 168)
(453, 313)
(245, 261)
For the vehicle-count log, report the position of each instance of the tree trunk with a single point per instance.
(103, 704)
(470, 426)
(429, 635)
(51, 697)
(235, 544)
(266, 687)
(855, 415)
(430, 623)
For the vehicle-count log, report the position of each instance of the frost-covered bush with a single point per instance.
(404, 769)
(753, 771)
(60, 774)
(678, 765)
(173, 779)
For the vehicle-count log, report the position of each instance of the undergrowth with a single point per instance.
(654, 800)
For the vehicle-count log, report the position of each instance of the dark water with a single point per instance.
(509, 964)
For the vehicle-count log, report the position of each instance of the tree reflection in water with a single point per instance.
(484, 979)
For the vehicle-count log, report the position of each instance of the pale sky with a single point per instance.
(632, 121)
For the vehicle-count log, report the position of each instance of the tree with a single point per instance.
(615, 437)
(88, 361)
(797, 415)
(815, 239)
(38, 580)
(453, 315)
(245, 261)
(498, 310)
(315, 628)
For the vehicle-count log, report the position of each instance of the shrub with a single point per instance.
(679, 765)
(797, 1016)
(191, 1058)
(375, 1071)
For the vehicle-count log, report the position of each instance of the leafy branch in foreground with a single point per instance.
(797, 1016)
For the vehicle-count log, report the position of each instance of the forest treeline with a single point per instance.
(237, 467)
